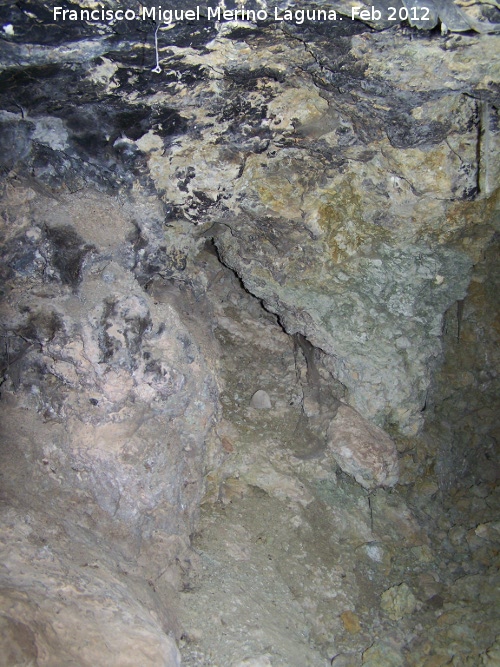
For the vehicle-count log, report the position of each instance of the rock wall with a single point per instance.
(108, 402)
(463, 424)
(345, 171)
(347, 175)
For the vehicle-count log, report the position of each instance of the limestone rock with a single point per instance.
(261, 661)
(261, 401)
(107, 402)
(345, 660)
(398, 601)
(492, 656)
(383, 654)
(349, 178)
(351, 622)
(63, 601)
(362, 449)
(352, 227)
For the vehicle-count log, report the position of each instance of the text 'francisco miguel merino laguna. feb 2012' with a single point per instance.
(298, 16)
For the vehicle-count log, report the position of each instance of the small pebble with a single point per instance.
(261, 401)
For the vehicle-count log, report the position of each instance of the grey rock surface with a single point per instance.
(260, 400)
(65, 602)
(306, 207)
(337, 180)
(398, 601)
(363, 450)
(106, 407)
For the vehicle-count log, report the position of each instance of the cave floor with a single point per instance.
(300, 566)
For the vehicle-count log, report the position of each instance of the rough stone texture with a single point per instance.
(351, 184)
(116, 378)
(107, 402)
(362, 449)
(464, 404)
(375, 243)
(348, 174)
(383, 654)
(65, 603)
(260, 400)
(398, 601)
(289, 526)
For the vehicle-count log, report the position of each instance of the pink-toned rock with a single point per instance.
(362, 449)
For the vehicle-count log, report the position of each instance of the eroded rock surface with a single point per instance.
(107, 403)
(352, 576)
(66, 601)
(304, 209)
(363, 450)
(347, 175)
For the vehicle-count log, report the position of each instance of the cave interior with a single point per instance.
(249, 334)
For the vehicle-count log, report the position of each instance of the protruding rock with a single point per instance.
(398, 601)
(362, 449)
(383, 653)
